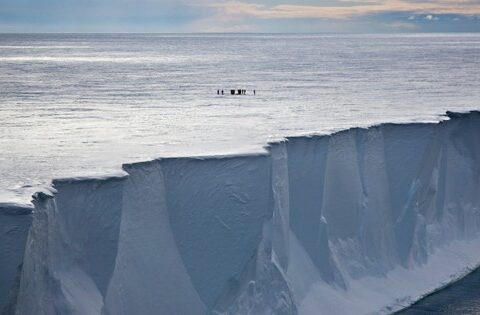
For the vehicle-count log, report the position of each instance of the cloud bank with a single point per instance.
(356, 8)
(240, 16)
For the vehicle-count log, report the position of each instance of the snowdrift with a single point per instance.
(360, 221)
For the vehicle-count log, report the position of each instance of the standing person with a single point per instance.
(218, 92)
(253, 92)
(222, 92)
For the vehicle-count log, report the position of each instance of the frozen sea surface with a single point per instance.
(81, 105)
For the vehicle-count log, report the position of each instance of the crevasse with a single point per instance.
(360, 221)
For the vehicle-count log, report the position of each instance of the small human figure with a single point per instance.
(218, 92)
(253, 92)
(222, 92)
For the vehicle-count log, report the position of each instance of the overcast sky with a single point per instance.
(313, 16)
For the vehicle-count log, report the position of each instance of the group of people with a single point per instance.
(232, 92)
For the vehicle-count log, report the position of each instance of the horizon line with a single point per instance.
(248, 33)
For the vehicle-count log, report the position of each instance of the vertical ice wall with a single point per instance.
(307, 228)
(307, 159)
(71, 248)
(389, 197)
(406, 154)
(149, 275)
(280, 204)
(262, 287)
(15, 222)
(176, 235)
(216, 209)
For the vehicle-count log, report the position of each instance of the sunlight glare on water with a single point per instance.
(74, 105)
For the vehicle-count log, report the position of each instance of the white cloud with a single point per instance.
(430, 17)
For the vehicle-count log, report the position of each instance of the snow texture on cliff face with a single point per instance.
(364, 220)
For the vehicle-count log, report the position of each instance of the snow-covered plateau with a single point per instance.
(366, 220)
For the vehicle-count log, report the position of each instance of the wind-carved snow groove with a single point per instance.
(360, 221)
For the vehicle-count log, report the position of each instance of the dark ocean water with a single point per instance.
(462, 297)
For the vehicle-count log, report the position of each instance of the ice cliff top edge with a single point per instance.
(24, 202)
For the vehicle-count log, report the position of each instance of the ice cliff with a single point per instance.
(360, 221)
